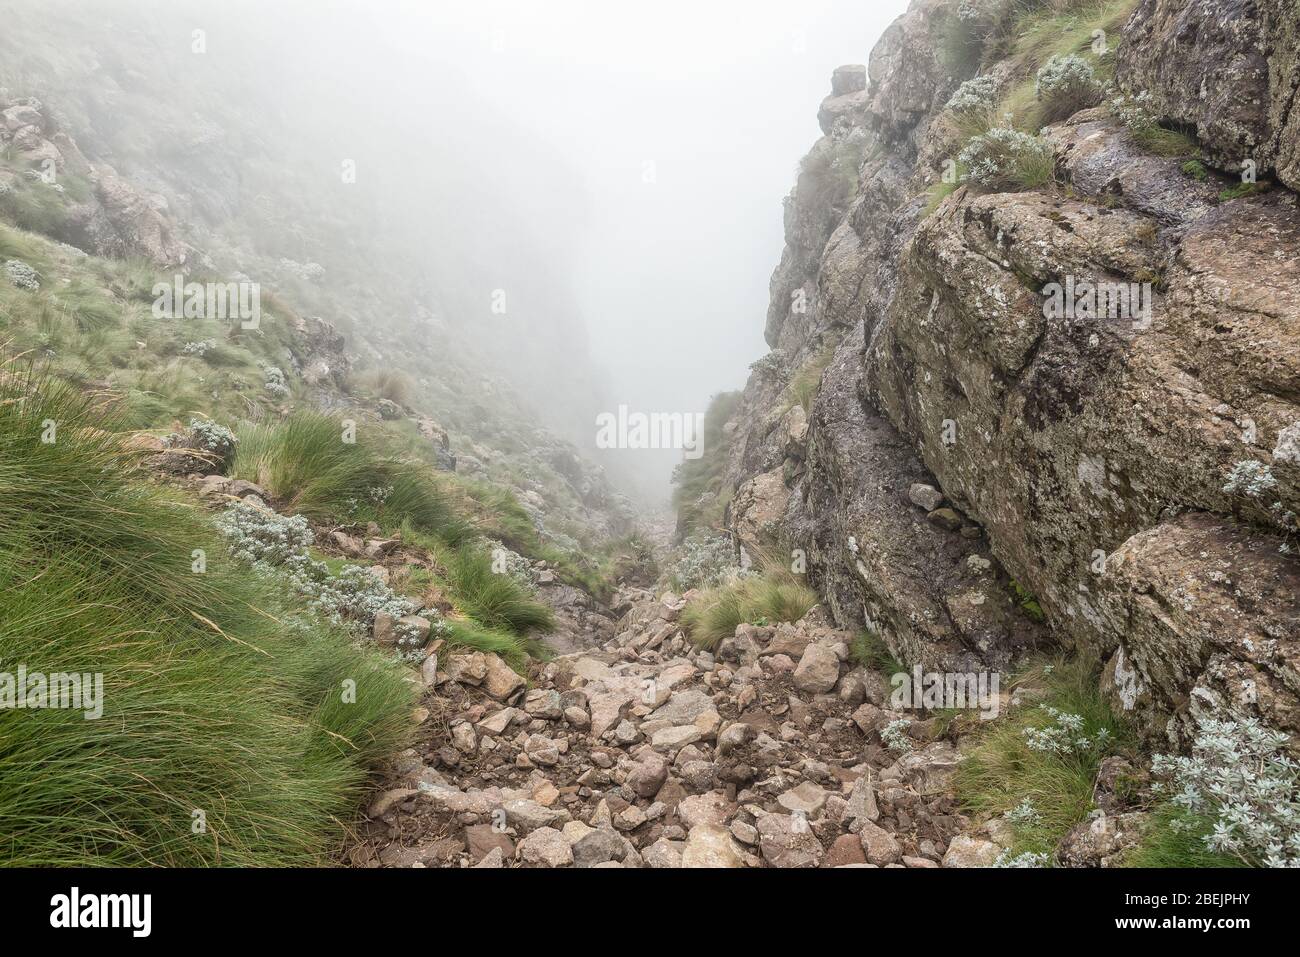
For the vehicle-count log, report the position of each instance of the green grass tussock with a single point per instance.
(306, 464)
(1004, 769)
(513, 649)
(492, 598)
(868, 650)
(776, 595)
(218, 697)
(807, 380)
(1175, 838)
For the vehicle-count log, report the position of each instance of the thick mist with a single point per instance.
(680, 127)
(581, 200)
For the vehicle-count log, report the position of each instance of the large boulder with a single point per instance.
(1229, 68)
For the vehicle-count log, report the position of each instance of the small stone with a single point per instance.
(710, 845)
(388, 800)
(788, 841)
(463, 738)
(493, 858)
(630, 818)
(597, 847)
(663, 853)
(709, 808)
(845, 849)
(807, 798)
(500, 680)
(673, 739)
(879, 844)
(648, 775)
(926, 496)
(818, 670)
(967, 851)
(497, 722)
(945, 518)
(482, 839)
(547, 847)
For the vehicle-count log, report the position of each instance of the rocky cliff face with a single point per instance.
(967, 447)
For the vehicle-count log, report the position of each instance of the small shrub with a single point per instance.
(1048, 755)
(702, 562)
(1026, 859)
(976, 95)
(963, 34)
(275, 383)
(22, 275)
(1251, 478)
(973, 107)
(217, 439)
(1006, 160)
(1243, 781)
(508, 562)
(1064, 86)
(894, 735)
(278, 544)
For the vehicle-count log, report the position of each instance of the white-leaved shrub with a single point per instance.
(1137, 112)
(22, 275)
(975, 95)
(1251, 478)
(275, 383)
(215, 438)
(895, 736)
(703, 561)
(506, 561)
(1242, 777)
(1064, 85)
(1004, 159)
(1027, 859)
(1024, 814)
(278, 545)
(1064, 735)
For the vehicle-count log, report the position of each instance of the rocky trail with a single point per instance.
(644, 751)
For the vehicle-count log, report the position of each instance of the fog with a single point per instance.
(680, 125)
(613, 171)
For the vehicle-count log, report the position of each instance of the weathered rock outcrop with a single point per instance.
(1135, 472)
(117, 219)
(1228, 68)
